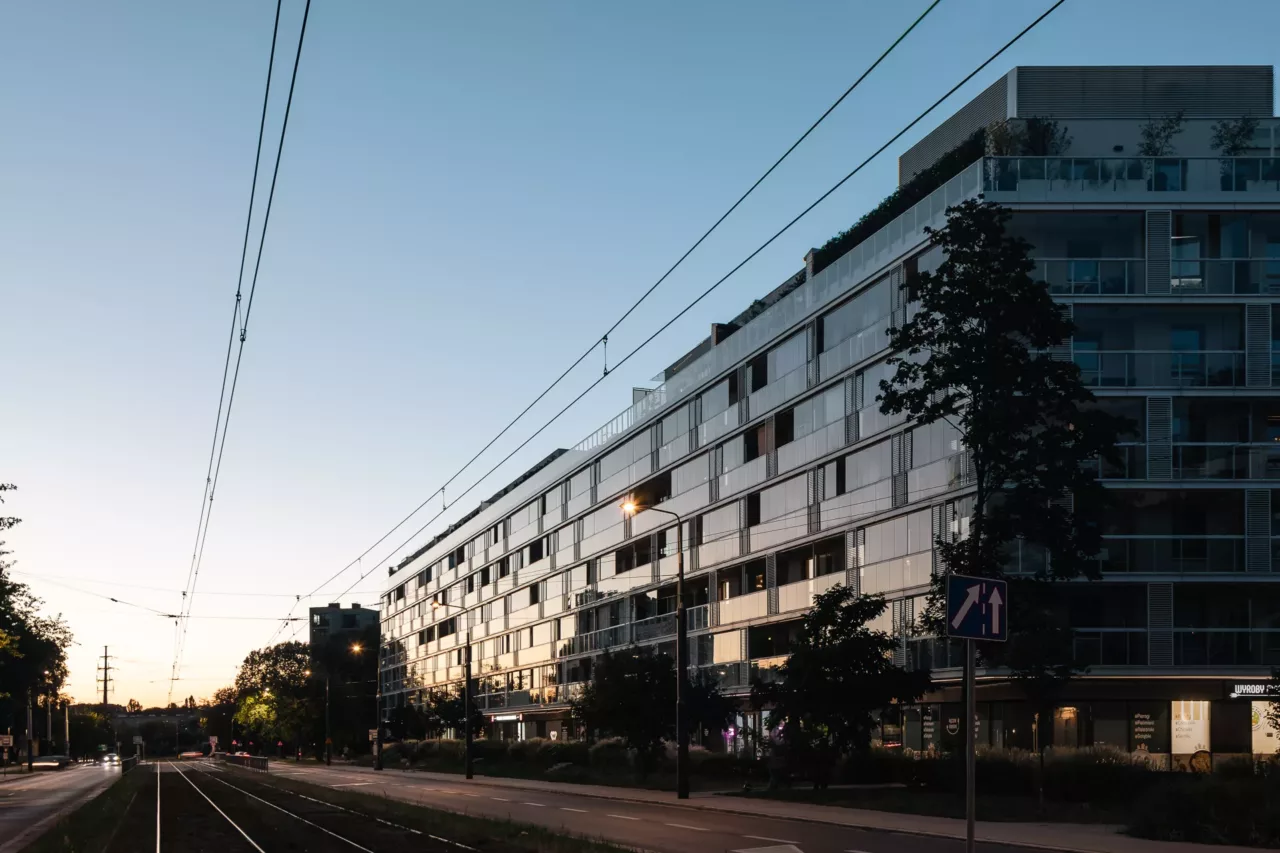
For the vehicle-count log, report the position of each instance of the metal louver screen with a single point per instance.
(1257, 530)
(853, 539)
(1257, 346)
(1160, 624)
(1138, 91)
(1062, 352)
(1159, 438)
(1159, 242)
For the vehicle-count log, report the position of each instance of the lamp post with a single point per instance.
(466, 689)
(682, 651)
(356, 649)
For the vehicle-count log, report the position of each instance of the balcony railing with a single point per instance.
(1200, 461)
(1161, 368)
(1074, 175)
(1101, 276)
(1173, 555)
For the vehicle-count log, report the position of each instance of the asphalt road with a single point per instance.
(658, 827)
(29, 799)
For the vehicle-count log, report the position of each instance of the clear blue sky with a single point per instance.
(470, 194)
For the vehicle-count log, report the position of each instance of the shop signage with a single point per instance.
(1256, 689)
(6, 740)
(1144, 731)
(928, 727)
(953, 725)
(1190, 727)
(506, 718)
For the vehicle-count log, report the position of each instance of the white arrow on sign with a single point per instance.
(995, 601)
(970, 599)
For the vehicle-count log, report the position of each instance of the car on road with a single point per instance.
(184, 756)
(111, 758)
(50, 762)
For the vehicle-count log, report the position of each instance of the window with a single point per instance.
(834, 483)
(471, 583)
(753, 509)
(484, 576)
(537, 550)
(859, 313)
(534, 594)
(784, 425)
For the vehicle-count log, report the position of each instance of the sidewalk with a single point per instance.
(1079, 838)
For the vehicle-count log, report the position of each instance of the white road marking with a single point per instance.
(567, 809)
(500, 799)
(767, 838)
(622, 816)
(350, 784)
(539, 805)
(219, 811)
(686, 826)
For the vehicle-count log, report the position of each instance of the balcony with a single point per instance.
(743, 607)
(1161, 368)
(1092, 277)
(1173, 555)
(1119, 178)
(1201, 461)
(595, 641)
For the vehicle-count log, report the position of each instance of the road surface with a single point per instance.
(29, 799)
(651, 826)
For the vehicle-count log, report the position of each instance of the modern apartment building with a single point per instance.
(767, 441)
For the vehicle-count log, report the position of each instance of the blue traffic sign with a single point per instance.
(977, 608)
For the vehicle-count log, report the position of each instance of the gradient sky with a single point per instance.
(470, 194)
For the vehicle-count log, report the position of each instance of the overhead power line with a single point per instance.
(221, 441)
(679, 261)
(1010, 43)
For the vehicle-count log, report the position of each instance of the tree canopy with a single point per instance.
(828, 694)
(978, 351)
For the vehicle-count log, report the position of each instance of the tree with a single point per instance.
(275, 696)
(443, 710)
(626, 698)
(709, 711)
(839, 676)
(134, 706)
(976, 352)
(1232, 137)
(32, 646)
(1158, 134)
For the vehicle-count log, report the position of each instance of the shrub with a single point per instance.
(609, 754)
(1210, 809)
(1098, 774)
(902, 199)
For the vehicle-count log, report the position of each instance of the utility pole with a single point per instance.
(30, 734)
(66, 727)
(105, 670)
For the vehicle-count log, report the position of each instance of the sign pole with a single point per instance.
(970, 737)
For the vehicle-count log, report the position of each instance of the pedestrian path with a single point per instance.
(1079, 838)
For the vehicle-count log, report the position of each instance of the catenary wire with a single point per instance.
(189, 596)
(737, 267)
(679, 261)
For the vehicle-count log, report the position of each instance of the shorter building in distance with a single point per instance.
(333, 621)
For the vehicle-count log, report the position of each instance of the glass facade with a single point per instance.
(787, 479)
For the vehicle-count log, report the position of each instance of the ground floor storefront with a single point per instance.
(1180, 723)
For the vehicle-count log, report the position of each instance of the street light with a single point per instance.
(630, 507)
(357, 648)
(466, 690)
